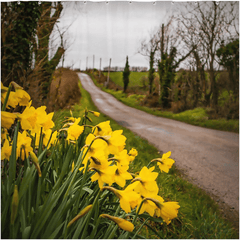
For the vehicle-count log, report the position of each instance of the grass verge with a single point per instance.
(197, 116)
(199, 215)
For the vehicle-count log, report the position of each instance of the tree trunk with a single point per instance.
(40, 79)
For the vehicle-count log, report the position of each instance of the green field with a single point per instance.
(134, 78)
(199, 216)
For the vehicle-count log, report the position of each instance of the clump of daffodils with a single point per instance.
(104, 162)
(35, 123)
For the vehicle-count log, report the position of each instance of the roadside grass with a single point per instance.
(197, 116)
(199, 215)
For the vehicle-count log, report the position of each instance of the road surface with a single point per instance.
(209, 158)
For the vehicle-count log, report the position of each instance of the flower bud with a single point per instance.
(35, 162)
(81, 214)
(15, 201)
(122, 223)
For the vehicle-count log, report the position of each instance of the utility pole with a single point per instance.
(93, 61)
(100, 67)
(108, 71)
(87, 64)
(80, 66)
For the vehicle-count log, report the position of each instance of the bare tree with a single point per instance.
(206, 25)
(148, 49)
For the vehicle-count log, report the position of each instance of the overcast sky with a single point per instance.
(110, 30)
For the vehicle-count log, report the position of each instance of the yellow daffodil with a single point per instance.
(102, 129)
(6, 150)
(166, 210)
(97, 145)
(22, 96)
(28, 118)
(116, 142)
(164, 163)
(132, 154)
(122, 223)
(74, 131)
(48, 122)
(122, 158)
(121, 175)
(149, 204)
(103, 175)
(12, 100)
(96, 114)
(7, 119)
(128, 198)
(4, 133)
(145, 182)
(80, 215)
(23, 145)
(44, 120)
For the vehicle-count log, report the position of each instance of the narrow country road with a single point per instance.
(210, 158)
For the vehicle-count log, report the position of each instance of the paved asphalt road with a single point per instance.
(210, 158)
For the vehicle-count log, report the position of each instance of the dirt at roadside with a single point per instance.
(64, 90)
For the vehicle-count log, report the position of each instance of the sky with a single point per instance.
(112, 29)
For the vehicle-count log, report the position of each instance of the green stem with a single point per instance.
(7, 96)
(140, 228)
(90, 214)
(135, 217)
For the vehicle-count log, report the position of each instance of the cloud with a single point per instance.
(111, 30)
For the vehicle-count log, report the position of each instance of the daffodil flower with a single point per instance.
(122, 223)
(74, 131)
(145, 182)
(122, 158)
(12, 100)
(97, 144)
(128, 198)
(103, 175)
(132, 154)
(7, 119)
(116, 142)
(164, 163)
(28, 118)
(96, 114)
(23, 96)
(121, 175)
(6, 150)
(102, 129)
(23, 145)
(166, 210)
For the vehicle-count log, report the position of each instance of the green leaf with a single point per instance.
(26, 232)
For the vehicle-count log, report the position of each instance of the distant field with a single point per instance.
(134, 79)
